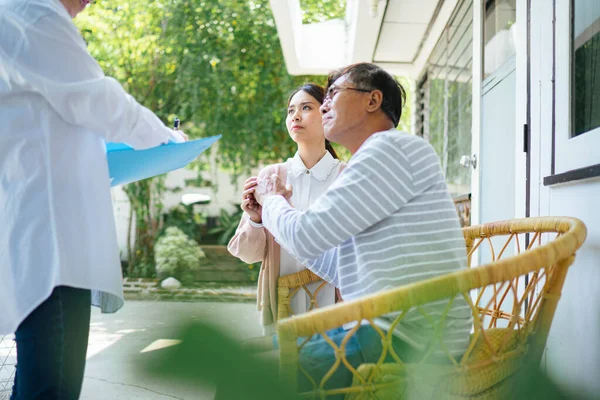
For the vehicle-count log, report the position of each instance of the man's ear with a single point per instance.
(375, 101)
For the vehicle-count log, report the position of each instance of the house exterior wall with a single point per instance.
(573, 355)
(573, 350)
(572, 358)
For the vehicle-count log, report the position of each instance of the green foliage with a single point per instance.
(227, 225)
(586, 86)
(322, 10)
(225, 363)
(405, 122)
(218, 66)
(177, 255)
(253, 271)
(184, 218)
(145, 198)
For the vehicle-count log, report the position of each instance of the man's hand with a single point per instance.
(249, 203)
(269, 186)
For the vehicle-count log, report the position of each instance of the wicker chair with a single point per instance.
(289, 285)
(512, 299)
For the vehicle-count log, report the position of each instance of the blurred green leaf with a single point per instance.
(209, 356)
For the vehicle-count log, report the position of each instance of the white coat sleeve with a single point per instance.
(53, 60)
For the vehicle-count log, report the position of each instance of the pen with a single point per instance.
(176, 124)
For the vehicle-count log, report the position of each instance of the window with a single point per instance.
(444, 94)
(499, 34)
(576, 62)
(585, 72)
(421, 111)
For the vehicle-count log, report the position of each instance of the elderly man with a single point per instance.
(387, 221)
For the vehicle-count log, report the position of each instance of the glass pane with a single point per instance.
(499, 33)
(586, 66)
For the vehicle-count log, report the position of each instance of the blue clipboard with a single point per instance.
(126, 165)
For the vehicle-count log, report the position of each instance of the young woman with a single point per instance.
(310, 172)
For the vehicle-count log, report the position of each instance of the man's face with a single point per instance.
(343, 108)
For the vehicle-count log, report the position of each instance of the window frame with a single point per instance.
(572, 156)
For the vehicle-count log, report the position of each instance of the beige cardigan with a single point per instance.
(252, 245)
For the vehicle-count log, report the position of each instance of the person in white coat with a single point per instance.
(58, 246)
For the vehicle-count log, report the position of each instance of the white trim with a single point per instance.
(363, 30)
(541, 105)
(434, 35)
(285, 14)
(570, 153)
(520, 109)
(476, 110)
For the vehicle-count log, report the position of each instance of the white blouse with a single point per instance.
(57, 110)
(308, 185)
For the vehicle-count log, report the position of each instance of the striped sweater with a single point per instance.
(387, 221)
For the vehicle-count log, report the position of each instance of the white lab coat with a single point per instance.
(57, 109)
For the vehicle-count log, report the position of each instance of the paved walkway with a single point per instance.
(116, 342)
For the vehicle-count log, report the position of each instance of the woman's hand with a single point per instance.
(270, 186)
(249, 203)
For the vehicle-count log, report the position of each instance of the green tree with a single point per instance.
(217, 65)
(322, 10)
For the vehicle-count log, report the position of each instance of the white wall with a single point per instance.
(573, 353)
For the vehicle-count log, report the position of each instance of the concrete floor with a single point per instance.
(116, 341)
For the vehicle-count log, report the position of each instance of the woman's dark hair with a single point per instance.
(372, 77)
(318, 92)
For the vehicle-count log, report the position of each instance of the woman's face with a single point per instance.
(74, 7)
(304, 121)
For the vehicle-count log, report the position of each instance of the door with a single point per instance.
(500, 101)
(497, 148)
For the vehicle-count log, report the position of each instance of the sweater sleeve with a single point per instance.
(376, 183)
(249, 242)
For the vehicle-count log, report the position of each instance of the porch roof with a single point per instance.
(399, 35)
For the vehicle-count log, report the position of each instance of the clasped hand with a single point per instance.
(256, 191)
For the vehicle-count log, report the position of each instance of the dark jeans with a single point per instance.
(317, 356)
(51, 347)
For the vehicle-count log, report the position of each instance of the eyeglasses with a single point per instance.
(333, 90)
